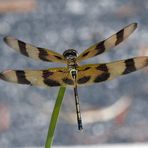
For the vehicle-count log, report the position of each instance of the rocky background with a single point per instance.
(25, 111)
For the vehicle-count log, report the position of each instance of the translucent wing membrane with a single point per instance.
(87, 74)
(95, 73)
(109, 43)
(49, 77)
(31, 51)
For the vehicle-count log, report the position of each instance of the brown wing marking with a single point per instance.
(95, 73)
(49, 77)
(36, 53)
(108, 43)
(87, 74)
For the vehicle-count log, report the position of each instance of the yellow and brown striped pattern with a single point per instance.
(48, 77)
(87, 74)
(36, 53)
(108, 43)
(95, 73)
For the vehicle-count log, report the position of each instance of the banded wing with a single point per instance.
(36, 53)
(110, 42)
(95, 73)
(87, 74)
(46, 78)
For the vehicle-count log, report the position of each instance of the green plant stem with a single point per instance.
(54, 117)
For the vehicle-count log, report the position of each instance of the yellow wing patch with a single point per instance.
(46, 78)
(36, 53)
(95, 73)
(87, 74)
(108, 43)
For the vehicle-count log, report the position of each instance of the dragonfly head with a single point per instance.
(70, 54)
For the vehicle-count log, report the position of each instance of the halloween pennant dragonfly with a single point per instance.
(74, 74)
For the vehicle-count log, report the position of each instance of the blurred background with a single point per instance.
(113, 112)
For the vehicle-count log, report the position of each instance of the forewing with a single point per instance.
(36, 53)
(95, 73)
(107, 44)
(46, 78)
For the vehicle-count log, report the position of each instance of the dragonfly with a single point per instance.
(73, 74)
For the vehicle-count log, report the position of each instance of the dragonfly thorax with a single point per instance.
(73, 73)
(70, 54)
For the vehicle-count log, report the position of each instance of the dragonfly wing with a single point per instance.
(87, 74)
(109, 43)
(95, 73)
(46, 78)
(36, 53)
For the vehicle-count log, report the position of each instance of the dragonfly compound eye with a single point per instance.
(70, 53)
